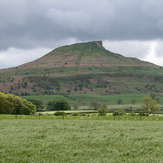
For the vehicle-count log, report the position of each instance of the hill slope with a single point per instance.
(83, 68)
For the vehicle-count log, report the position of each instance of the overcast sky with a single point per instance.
(31, 28)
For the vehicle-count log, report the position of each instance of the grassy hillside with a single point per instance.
(83, 68)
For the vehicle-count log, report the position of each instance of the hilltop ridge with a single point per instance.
(83, 68)
(84, 54)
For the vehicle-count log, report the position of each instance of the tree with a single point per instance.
(102, 112)
(28, 108)
(133, 101)
(103, 106)
(152, 95)
(17, 104)
(149, 106)
(95, 105)
(76, 106)
(37, 103)
(119, 101)
(3, 98)
(11, 104)
(58, 105)
(119, 113)
(157, 99)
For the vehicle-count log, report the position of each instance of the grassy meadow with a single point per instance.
(85, 99)
(76, 140)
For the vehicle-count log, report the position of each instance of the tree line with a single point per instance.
(11, 104)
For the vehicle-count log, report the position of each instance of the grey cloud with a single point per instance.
(126, 48)
(30, 24)
(12, 13)
(159, 49)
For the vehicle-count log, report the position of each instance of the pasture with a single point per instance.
(83, 139)
(84, 100)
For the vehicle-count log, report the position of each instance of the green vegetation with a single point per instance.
(10, 104)
(86, 68)
(86, 76)
(119, 113)
(58, 105)
(83, 100)
(102, 112)
(80, 140)
(59, 113)
(84, 115)
(37, 103)
(95, 105)
(149, 106)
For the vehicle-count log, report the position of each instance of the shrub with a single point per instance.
(158, 100)
(102, 112)
(59, 113)
(152, 95)
(119, 113)
(133, 101)
(76, 106)
(143, 114)
(75, 114)
(132, 114)
(119, 101)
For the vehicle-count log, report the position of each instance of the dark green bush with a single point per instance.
(75, 114)
(102, 112)
(119, 113)
(132, 114)
(143, 114)
(59, 113)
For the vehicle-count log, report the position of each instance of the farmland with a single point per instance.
(81, 74)
(87, 98)
(80, 140)
(83, 100)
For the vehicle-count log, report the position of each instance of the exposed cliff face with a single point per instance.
(98, 43)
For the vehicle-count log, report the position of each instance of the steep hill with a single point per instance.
(83, 68)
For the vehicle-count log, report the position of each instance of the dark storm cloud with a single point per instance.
(31, 28)
(34, 23)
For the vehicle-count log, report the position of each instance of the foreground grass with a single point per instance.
(82, 116)
(34, 140)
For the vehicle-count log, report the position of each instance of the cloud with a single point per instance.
(151, 51)
(12, 13)
(28, 24)
(155, 52)
(14, 56)
(42, 21)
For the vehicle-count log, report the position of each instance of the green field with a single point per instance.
(64, 141)
(83, 100)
